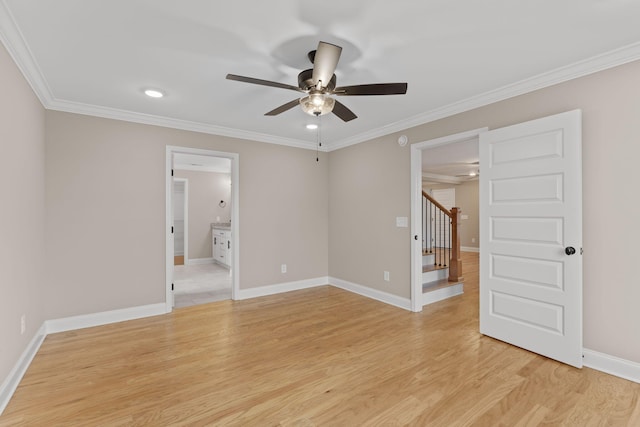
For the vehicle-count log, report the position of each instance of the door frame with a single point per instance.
(416, 203)
(235, 217)
(185, 210)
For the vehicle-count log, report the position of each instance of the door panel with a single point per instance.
(530, 210)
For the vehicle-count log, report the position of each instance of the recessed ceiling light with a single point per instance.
(312, 126)
(153, 93)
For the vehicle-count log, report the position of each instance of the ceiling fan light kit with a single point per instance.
(317, 104)
(319, 83)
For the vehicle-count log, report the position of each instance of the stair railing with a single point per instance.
(441, 235)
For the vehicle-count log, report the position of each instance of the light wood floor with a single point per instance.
(318, 357)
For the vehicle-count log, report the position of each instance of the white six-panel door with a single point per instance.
(530, 218)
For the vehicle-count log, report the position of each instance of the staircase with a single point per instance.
(435, 282)
(441, 262)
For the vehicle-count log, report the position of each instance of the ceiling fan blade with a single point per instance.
(325, 63)
(283, 108)
(372, 89)
(343, 112)
(262, 82)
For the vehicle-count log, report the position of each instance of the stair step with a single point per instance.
(440, 290)
(432, 273)
(428, 259)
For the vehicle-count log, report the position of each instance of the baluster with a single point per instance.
(440, 239)
(430, 227)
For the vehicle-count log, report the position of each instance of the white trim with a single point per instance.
(469, 249)
(280, 288)
(103, 318)
(416, 206)
(198, 261)
(14, 42)
(168, 122)
(10, 384)
(442, 294)
(375, 294)
(416, 228)
(169, 243)
(611, 365)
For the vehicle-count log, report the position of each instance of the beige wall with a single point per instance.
(366, 187)
(610, 101)
(22, 213)
(106, 212)
(205, 190)
(467, 200)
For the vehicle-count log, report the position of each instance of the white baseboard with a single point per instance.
(281, 287)
(442, 294)
(611, 365)
(469, 249)
(104, 318)
(196, 261)
(371, 293)
(10, 384)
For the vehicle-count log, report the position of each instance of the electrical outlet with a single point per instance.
(386, 276)
(283, 268)
(23, 324)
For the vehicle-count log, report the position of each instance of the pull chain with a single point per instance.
(319, 141)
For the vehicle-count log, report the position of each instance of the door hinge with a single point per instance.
(580, 251)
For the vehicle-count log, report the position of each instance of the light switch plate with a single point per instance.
(402, 221)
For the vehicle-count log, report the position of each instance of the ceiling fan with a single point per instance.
(319, 84)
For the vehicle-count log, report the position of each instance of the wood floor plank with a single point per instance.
(316, 357)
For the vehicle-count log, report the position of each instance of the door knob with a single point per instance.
(569, 250)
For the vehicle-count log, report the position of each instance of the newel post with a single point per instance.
(455, 264)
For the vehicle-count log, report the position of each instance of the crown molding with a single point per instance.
(17, 47)
(15, 43)
(149, 119)
(441, 179)
(582, 68)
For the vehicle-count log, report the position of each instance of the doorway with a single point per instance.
(210, 184)
(442, 178)
(530, 288)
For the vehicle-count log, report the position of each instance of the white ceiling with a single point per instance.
(201, 163)
(451, 163)
(97, 57)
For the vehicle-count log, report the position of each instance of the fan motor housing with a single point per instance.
(305, 81)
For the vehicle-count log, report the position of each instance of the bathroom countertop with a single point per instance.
(221, 225)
